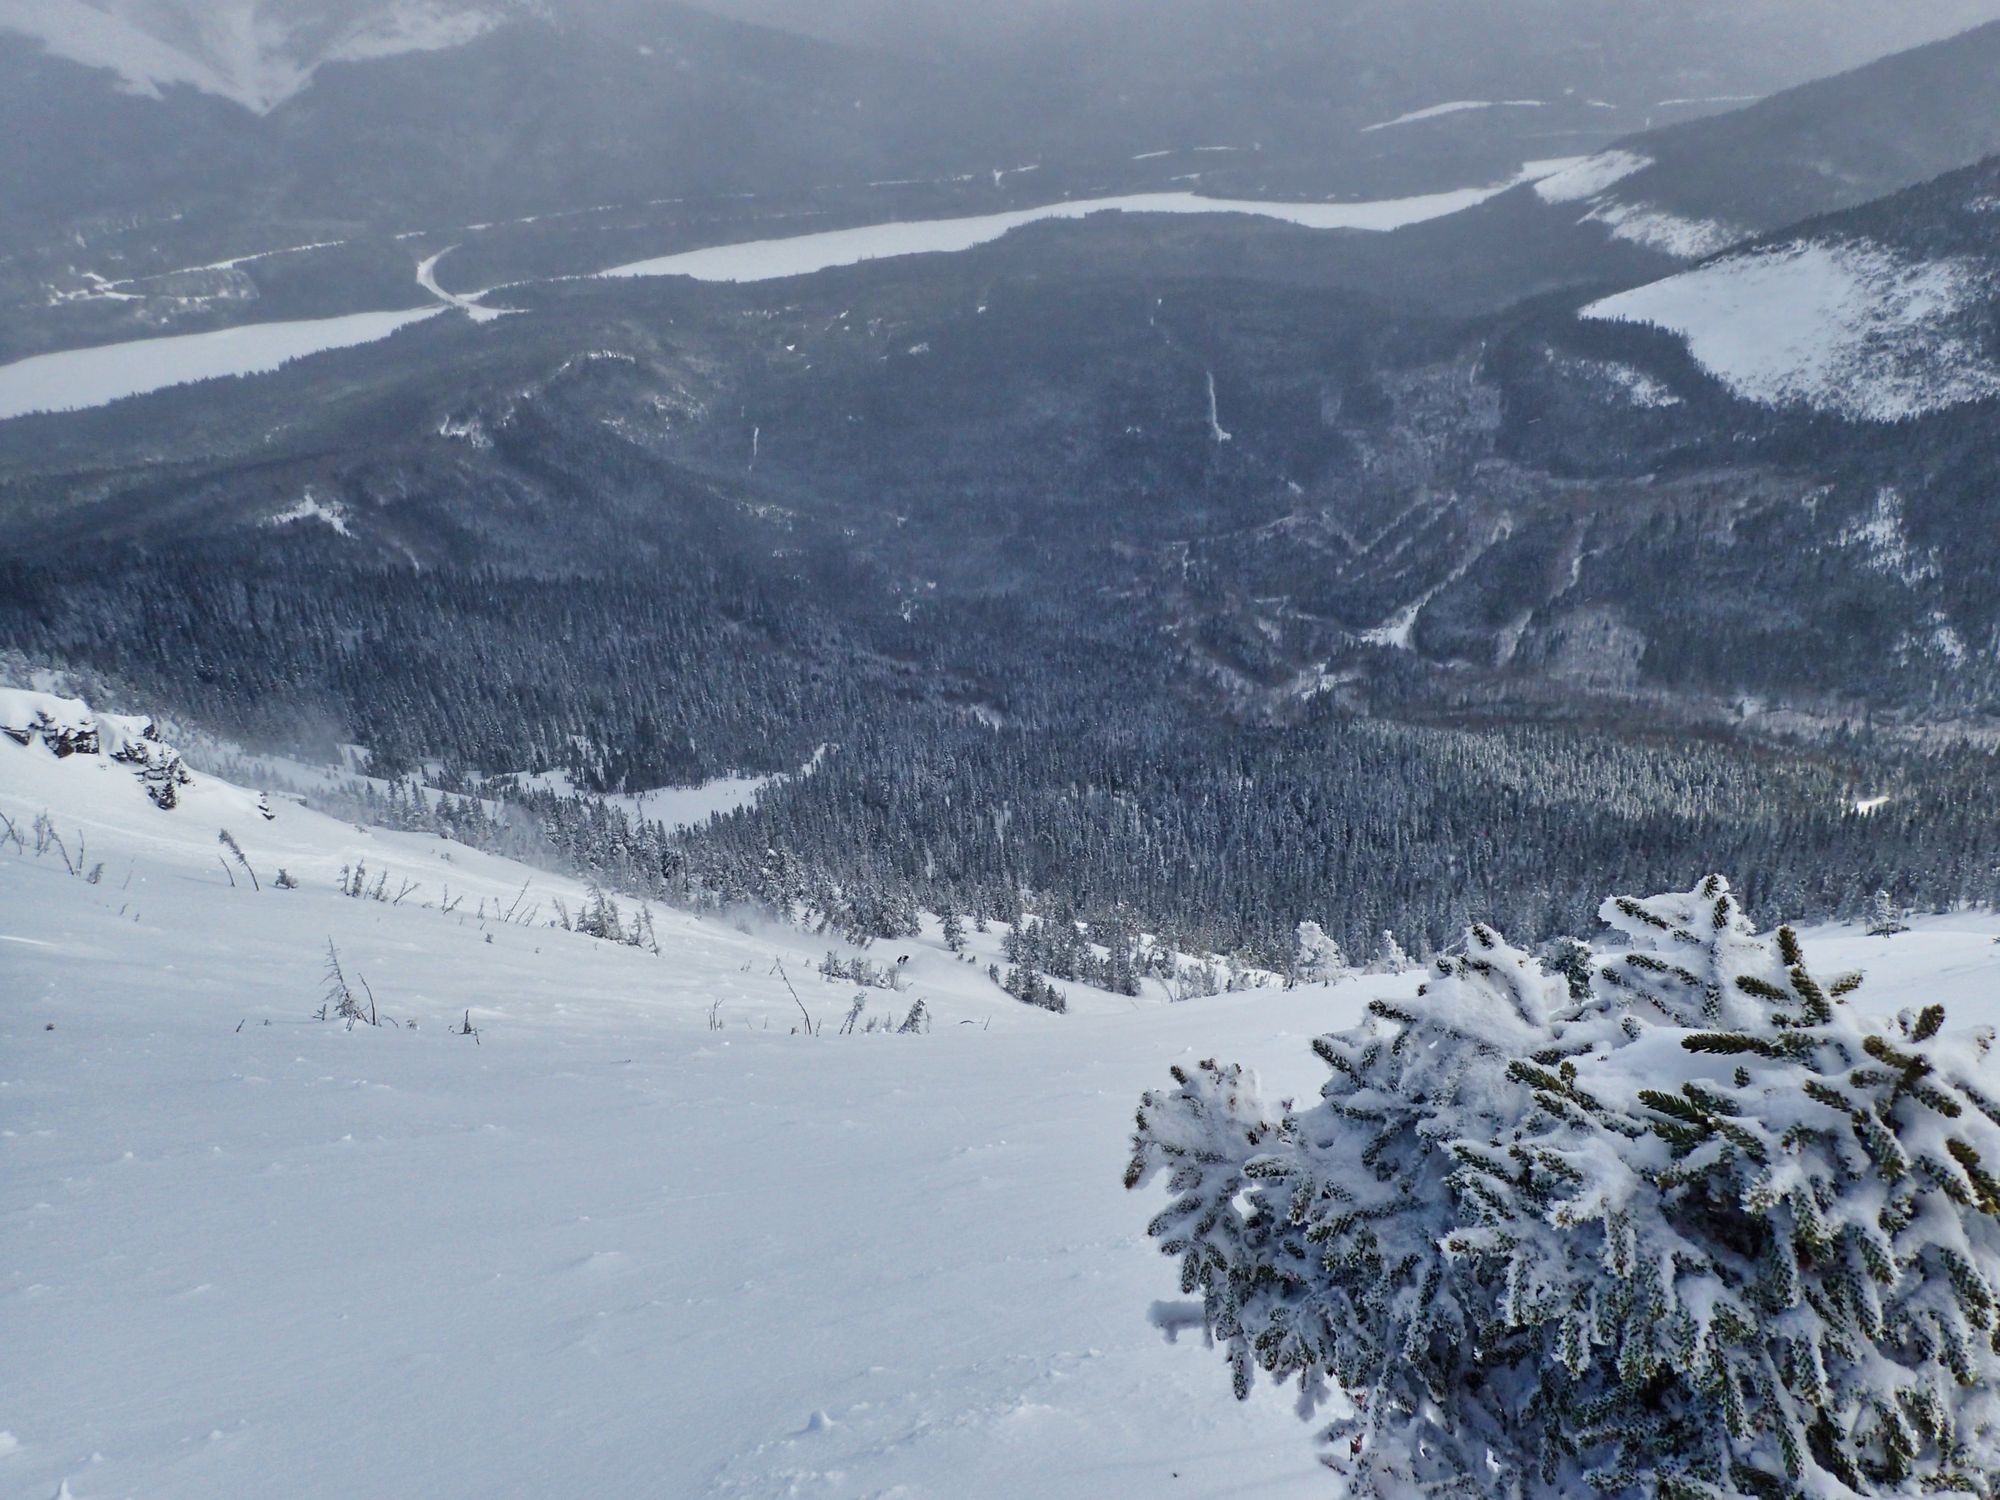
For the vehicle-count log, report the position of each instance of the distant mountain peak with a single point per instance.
(256, 53)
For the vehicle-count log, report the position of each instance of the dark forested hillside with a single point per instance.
(1121, 585)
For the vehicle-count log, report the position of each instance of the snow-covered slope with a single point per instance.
(602, 1248)
(1697, 188)
(1848, 327)
(636, 1237)
(1593, 183)
(257, 53)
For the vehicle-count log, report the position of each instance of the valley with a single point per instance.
(878, 750)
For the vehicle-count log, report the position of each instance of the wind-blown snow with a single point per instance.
(78, 378)
(802, 255)
(254, 52)
(1844, 327)
(1454, 107)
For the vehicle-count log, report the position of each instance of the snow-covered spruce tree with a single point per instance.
(1885, 917)
(1389, 957)
(1701, 1233)
(1317, 958)
(1317, 1239)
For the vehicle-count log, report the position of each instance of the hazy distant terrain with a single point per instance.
(1393, 450)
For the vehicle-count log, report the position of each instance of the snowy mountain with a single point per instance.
(1038, 519)
(1657, 200)
(1842, 327)
(1881, 314)
(1695, 188)
(256, 1252)
(161, 136)
(256, 53)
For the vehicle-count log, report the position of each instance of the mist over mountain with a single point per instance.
(1782, 41)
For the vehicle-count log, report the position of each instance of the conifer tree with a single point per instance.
(1885, 917)
(1699, 1233)
(1317, 958)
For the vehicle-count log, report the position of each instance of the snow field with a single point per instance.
(1453, 107)
(1849, 327)
(601, 1249)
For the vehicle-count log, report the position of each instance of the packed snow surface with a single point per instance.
(1590, 181)
(602, 1248)
(78, 378)
(311, 508)
(802, 255)
(1849, 327)
(471, 306)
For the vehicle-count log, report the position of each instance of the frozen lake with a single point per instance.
(802, 255)
(77, 378)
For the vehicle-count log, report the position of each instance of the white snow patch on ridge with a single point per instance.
(1591, 180)
(803, 255)
(1849, 328)
(1669, 233)
(674, 807)
(78, 378)
(1588, 178)
(1455, 107)
(333, 513)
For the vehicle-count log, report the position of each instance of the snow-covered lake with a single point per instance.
(802, 255)
(75, 379)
